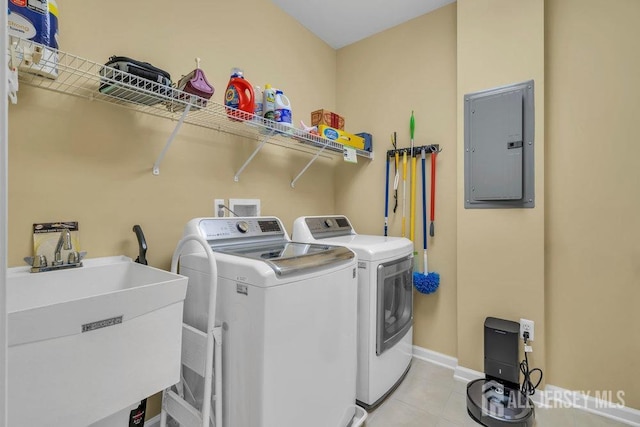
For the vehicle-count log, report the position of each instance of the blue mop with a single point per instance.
(426, 282)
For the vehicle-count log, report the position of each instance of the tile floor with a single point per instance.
(430, 396)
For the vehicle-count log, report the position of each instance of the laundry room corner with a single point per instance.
(500, 258)
(381, 80)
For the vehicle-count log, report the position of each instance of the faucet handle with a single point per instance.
(73, 258)
(39, 261)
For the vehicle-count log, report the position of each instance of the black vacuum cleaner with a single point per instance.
(496, 400)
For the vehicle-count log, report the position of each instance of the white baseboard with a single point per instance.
(568, 398)
(465, 374)
(434, 357)
(565, 397)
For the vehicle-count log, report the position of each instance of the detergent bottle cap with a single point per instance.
(278, 92)
(267, 86)
(237, 72)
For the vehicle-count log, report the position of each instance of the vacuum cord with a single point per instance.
(528, 388)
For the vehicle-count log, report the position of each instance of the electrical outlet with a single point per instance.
(526, 326)
(218, 208)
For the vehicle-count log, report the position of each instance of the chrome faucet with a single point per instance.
(64, 242)
(39, 264)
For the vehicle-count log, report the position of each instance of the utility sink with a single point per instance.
(86, 342)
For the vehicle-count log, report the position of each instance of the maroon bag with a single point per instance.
(195, 83)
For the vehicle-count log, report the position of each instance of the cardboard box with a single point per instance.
(342, 137)
(327, 118)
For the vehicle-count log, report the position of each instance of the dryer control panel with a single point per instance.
(327, 226)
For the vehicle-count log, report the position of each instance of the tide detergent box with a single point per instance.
(36, 21)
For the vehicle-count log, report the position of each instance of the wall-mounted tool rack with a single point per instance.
(417, 151)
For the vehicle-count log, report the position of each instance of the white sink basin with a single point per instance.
(87, 342)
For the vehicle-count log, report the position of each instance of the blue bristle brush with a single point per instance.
(426, 282)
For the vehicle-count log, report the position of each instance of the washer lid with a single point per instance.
(372, 248)
(290, 257)
(337, 230)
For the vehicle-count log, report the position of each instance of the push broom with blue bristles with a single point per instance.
(425, 282)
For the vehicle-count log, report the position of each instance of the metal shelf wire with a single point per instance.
(86, 79)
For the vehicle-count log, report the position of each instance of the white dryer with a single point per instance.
(385, 302)
(288, 320)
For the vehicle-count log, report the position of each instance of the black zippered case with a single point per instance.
(134, 81)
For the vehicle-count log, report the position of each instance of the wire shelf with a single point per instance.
(90, 80)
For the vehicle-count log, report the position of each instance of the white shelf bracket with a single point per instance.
(236, 178)
(156, 165)
(313, 159)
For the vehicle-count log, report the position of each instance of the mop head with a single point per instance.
(426, 283)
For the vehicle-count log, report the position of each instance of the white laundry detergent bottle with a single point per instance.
(283, 110)
(269, 102)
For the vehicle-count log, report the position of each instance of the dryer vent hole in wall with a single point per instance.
(245, 207)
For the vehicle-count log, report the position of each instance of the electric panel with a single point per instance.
(499, 149)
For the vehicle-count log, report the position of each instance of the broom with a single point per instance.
(404, 192)
(412, 208)
(426, 283)
(386, 199)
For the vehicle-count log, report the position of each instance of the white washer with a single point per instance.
(288, 313)
(385, 302)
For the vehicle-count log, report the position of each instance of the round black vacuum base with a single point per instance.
(492, 404)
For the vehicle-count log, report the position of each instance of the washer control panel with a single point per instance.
(236, 228)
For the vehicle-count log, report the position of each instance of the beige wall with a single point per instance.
(592, 288)
(380, 80)
(500, 258)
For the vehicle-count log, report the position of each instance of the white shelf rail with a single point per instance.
(86, 79)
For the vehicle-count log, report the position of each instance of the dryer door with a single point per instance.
(395, 302)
